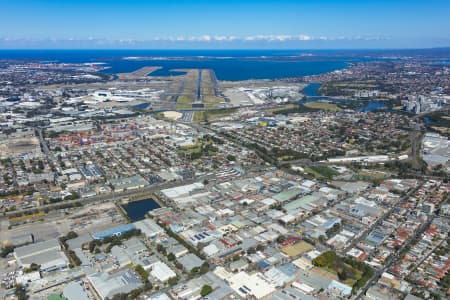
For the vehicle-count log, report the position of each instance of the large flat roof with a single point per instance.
(33, 249)
(148, 227)
(162, 272)
(107, 285)
(182, 190)
(74, 291)
(117, 230)
(250, 285)
(190, 261)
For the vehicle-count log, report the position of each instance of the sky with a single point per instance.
(230, 24)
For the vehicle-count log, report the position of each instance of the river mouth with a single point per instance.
(137, 210)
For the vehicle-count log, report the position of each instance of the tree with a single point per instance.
(148, 286)
(281, 238)
(20, 292)
(160, 248)
(134, 294)
(172, 281)
(326, 259)
(112, 244)
(93, 244)
(204, 268)
(71, 235)
(75, 260)
(142, 273)
(231, 157)
(171, 257)
(206, 290)
(41, 165)
(6, 250)
(33, 267)
(120, 296)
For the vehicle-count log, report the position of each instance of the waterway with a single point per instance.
(137, 210)
(311, 92)
(229, 65)
(141, 106)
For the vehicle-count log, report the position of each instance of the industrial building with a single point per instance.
(107, 285)
(114, 231)
(149, 228)
(75, 291)
(128, 183)
(190, 262)
(161, 272)
(47, 254)
(250, 286)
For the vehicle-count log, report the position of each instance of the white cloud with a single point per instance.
(279, 38)
(200, 39)
(269, 38)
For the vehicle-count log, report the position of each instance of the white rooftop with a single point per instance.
(162, 272)
(182, 190)
(251, 285)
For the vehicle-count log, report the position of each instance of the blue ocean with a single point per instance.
(228, 64)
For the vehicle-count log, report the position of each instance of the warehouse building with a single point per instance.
(128, 183)
(250, 286)
(190, 262)
(183, 190)
(75, 291)
(161, 272)
(114, 231)
(19, 239)
(47, 254)
(149, 228)
(107, 285)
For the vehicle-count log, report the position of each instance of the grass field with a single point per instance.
(185, 99)
(321, 172)
(371, 175)
(290, 109)
(221, 112)
(183, 105)
(281, 108)
(189, 84)
(351, 272)
(212, 99)
(322, 105)
(208, 93)
(198, 149)
(201, 116)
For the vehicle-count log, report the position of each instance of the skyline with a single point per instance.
(179, 24)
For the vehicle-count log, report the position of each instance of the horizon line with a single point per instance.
(223, 49)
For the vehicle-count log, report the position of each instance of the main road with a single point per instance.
(118, 196)
(114, 196)
(393, 259)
